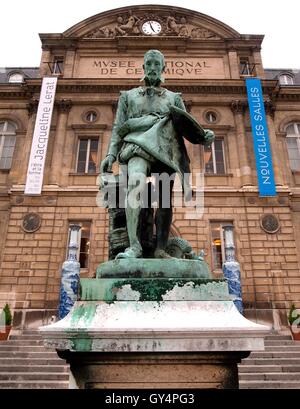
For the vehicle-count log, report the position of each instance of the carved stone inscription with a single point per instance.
(187, 68)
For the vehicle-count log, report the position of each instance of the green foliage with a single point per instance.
(293, 315)
(7, 315)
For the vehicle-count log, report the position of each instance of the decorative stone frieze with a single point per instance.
(130, 24)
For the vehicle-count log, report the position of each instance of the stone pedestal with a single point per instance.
(123, 370)
(154, 329)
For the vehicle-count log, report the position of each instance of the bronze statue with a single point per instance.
(148, 135)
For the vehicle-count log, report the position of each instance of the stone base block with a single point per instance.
(201, 370)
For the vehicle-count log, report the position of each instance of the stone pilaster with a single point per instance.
(69, 64)
(63, 107)
(238, 108)
(32, 107)
(44, 66)
(258, 63)
(114, 106)
(234, 64)
(270, 111)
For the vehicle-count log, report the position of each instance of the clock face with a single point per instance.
(151, 27)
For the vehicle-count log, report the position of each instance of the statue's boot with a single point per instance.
(160, 253)
(131, 252)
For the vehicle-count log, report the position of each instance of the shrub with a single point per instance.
(293, 315)
(7, 315)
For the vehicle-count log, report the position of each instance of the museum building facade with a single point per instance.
(207, 62)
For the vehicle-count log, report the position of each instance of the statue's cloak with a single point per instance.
(154, 119)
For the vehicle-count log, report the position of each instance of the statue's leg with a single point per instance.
(137, 176)
(163, 220)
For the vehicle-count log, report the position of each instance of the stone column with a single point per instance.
(270, 109)
(238, 108)
(63, 107)
(32, 110)
(234, 64)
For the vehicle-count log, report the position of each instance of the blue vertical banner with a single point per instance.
(262, 149)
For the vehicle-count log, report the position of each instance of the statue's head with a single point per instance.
(154, 64)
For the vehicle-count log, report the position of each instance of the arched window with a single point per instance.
(16, 77)
(7, 143)
(286, 79)
(293, 145)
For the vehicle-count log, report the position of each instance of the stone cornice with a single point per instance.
(97, 127)
(207, 86)
(30, 87)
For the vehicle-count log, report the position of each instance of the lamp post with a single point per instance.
(231, 268)
(70, 275)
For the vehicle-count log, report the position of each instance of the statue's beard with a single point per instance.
(152, 80)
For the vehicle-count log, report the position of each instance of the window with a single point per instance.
(218, 244)
(246, 68)
(7, 143)
(293, 145)
(87, 155)
(214, 157)
(91, 116)
(286, 79)
(58, 65)
(211, 117)
(16, 78)
(83, 242)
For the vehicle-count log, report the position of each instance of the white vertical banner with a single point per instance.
(35, 172)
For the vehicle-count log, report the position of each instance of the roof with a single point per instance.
(274, 73)
(28, 72)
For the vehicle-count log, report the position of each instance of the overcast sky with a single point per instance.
(22, 20)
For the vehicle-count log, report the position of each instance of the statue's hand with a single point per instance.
(209, 136)
(106, 164)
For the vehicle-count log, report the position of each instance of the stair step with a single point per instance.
(34, 385)
(24, 348)
(25, 337)
(32, 361)
(269, 385)
(34, 368)
(277, 354)
(271, 376)
(277, 337)
(279, 342)
(18, 354)
(283, 348)
(22, 342)
(270, 361)
(268, 368)
(21, 376)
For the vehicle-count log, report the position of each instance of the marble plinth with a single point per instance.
(146, 325)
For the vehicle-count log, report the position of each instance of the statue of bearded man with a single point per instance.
(148, 136)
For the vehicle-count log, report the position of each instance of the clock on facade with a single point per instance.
(151, 27)
(31, 222)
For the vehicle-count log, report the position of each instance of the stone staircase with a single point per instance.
(26, 364)
(276, 367)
